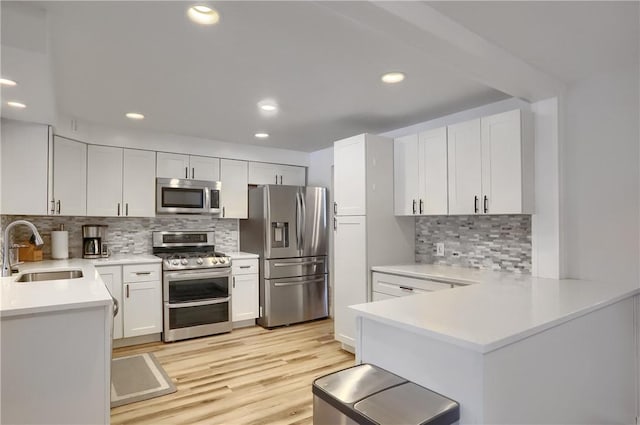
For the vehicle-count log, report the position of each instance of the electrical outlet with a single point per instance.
(440, 249)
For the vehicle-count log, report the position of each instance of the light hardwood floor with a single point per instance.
(250, 376)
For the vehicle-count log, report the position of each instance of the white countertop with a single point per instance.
(56, 295)
(501, 309)
(119, 259)
(239, 255)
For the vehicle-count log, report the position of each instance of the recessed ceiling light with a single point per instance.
(17, 104)
(268, 105)
(393, 77)
(262, 135)
(7, 82)
(134, 116)
(203, 15)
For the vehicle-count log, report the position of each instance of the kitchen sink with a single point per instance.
(53, 275)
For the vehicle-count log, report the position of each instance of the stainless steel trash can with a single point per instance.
(369, 395)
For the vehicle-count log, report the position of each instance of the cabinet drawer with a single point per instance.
(379, 296)
(141, 273)
(399, 286)
(246, 266)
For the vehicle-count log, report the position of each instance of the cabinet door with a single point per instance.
(432, 153)
(350, 274)
(138, 183)
(502, 164)
(204, 168)
(142, 313)
(349, 159)
(25, 156)
(406, 179)
(104, 181)
(69, 177)
(112, 278)
(244, 297)
(263, 173)
(293, 176)
(234, 196)
(172, 165)
(464, 167)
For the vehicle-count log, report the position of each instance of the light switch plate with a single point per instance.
(440, 249)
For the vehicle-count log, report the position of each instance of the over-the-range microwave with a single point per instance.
(182, 196)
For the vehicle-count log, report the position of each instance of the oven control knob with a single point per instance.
(199, 260)
(214, 260)
(167, 263)
(223, 260)
(175, 262)
(184, 261)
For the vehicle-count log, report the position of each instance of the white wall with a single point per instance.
(165, 142)
(600, 161)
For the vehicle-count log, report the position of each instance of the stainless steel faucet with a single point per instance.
(6, 267)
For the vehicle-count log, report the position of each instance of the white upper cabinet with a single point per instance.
(432, 170)
(138, 183)
(178, 166)
(69, 177)
(204, 168)
(265, 173)
(104, 181)
(350, 176)
(507, 164)
(491, 165)
(406, 177)
(293, 176)
(234, 196)
(172, 165)
(25, 148)
(465, 170)
(120, 182)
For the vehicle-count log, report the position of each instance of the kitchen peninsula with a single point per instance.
(56, 345)
(510, 348)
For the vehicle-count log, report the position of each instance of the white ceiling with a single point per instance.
(569, 40)
(322, 67)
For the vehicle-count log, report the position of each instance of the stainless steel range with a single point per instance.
(196, 283)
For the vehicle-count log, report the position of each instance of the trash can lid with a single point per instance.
(355, 383)
(409, 404)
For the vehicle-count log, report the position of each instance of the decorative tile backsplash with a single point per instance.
(493, 242)
(125, 235)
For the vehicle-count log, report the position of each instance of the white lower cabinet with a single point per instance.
(138, 290)
(112, 278)
(385, 286)
(244, 292)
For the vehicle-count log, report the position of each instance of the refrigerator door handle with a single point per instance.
(298, 220)
(303, 220)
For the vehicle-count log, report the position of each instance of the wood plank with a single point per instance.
(250, 376)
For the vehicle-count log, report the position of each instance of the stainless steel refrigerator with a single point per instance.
(287, 227)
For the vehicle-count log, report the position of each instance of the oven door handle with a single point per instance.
(197, 275)
(200, 303)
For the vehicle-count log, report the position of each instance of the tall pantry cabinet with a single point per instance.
(366, 231)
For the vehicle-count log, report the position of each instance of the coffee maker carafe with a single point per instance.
(92, 240)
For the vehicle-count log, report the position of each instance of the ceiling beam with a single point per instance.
(464, 52)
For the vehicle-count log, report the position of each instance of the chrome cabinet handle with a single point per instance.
(234, 282)
(127, 209)
(53, 206)
(127, 291)
(223, 211)
(193, 173)
(280, 179)
(59, 206)
(406, 288)
(116, 307)
(186, 172)
(421, 206)
(475, 204)
(276, 179)
(244, 267)
(335, 208)
(486, 204)
(118, 209)
(335, 223)
(142, 273)
(414, 206)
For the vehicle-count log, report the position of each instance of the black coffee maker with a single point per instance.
(93, 245)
